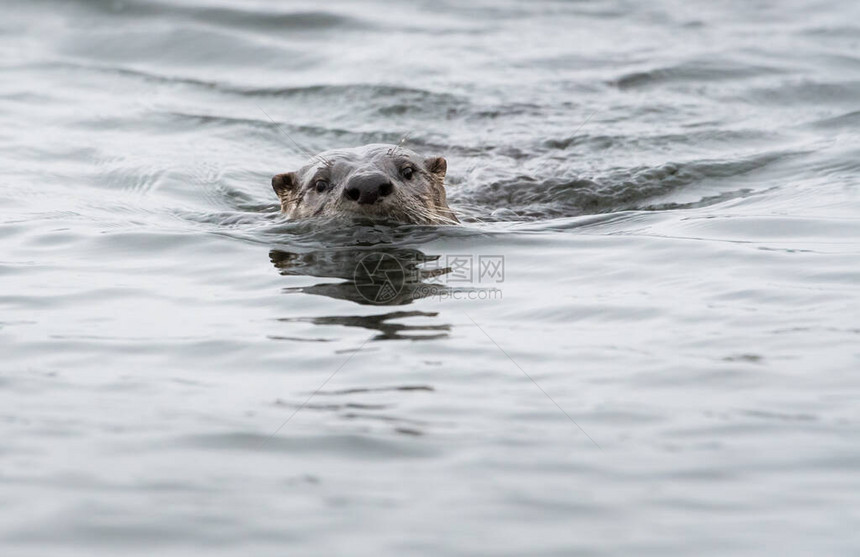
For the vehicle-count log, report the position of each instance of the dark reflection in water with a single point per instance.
(381, 322)
(381, 275)
(369, 413)
(427, 388)
(378, 275)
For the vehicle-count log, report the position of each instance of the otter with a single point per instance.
(376, 181)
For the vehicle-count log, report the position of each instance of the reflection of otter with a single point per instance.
(378, 276)
(384, 181)
(367, 272)
(381, 322)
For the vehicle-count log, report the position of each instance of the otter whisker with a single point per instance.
(394, 148)
(415, 217)
(421, 214)
(410, 214)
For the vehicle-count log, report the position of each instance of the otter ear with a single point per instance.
(437, 166)
(285, 186)
(283, 183)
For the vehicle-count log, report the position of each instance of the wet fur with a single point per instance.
(419, 200)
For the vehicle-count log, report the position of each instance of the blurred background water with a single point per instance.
(667, 367)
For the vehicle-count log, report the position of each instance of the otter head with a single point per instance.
(382, 181)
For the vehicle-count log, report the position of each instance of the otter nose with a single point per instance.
(367, 188)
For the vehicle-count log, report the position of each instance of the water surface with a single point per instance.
(666, 367)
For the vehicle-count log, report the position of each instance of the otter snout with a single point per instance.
(368, 188)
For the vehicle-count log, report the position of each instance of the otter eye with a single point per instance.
(321, 186)
(407, 172)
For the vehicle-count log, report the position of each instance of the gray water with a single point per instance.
(656, 352)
